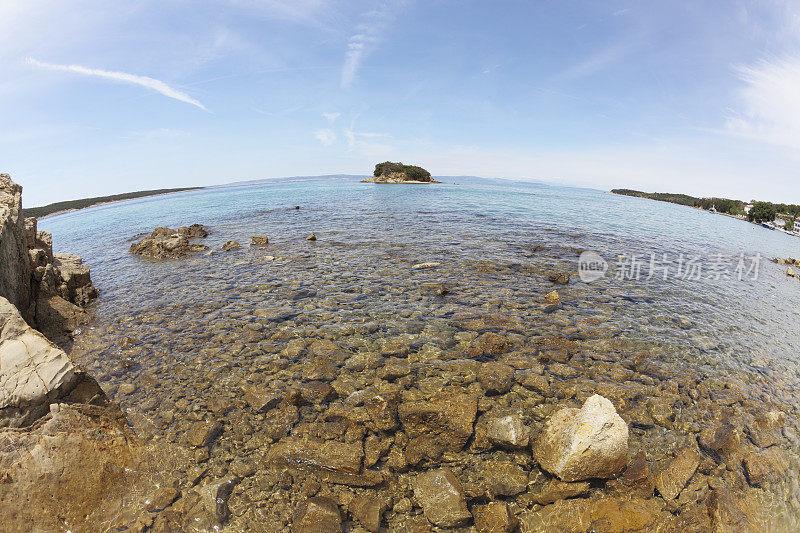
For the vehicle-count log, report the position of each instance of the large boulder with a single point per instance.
(15, 271)
(166, 243)
(585, 443)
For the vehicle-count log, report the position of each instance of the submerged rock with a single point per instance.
(230, 245)
(674, 477)
(585, 443)
(494, 517)
(559, 278)
(442, 498)
(552, 298)
(317, 515)
(259, 241)
(311, 237)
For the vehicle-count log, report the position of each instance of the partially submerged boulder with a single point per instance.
(579, 444)
(166, 243)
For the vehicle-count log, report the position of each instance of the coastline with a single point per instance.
(65, 211)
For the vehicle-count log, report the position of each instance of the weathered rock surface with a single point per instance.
(317, 515)
(166, 243)
(494, 517)
(556, 490)
(15, 271)
(673, 478)
(585, 443)
(48, 289)
(442, 498)
(35, 373)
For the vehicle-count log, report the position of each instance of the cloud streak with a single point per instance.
(123, 77)
(770, 101)
(373, 24)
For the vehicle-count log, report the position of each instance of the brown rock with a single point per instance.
(163, 498)
(261, 400)
(215, 497)
(230, 245)
(488, 344)
(203, 433)
(442, 499)
(507, 430)
(394, 368)
(726, 513)
(673, 478)
(635, 480)
(563, 516)
(556, 490)
(259, 241)
(311, 237)
(368, 510)
(496, 378)
(382, 410)
(494, 517)
(165, 243)
(317, 515)
(765, 430)
(447, 418)
(502, 478)
(765, 466)
(552, 298)
(194, 231)
(323, 455)
(560, 278)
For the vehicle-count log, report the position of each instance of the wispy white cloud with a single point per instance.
(368, 33)
(770, 100)
(143, 81)
(331, 117)
(595, 63)
(326, 136)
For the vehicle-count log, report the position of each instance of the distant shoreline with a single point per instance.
(68, 206)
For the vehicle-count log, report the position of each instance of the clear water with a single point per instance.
(193, 330)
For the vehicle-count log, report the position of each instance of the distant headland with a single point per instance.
(388, 172)
(73, 205)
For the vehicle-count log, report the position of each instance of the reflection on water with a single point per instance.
(179, 343)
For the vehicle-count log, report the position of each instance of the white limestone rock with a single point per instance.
(578, 444)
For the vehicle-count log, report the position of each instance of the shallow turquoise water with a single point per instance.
(188, 332)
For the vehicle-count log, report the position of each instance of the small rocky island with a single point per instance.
(388, 172)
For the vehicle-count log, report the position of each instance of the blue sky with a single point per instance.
(100, 97)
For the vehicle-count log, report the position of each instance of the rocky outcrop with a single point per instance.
(63, 444)
(15, 271)
(49, 290)
(166, 243)
(35, 373)
(585, 443)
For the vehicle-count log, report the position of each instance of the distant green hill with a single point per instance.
(89, 202)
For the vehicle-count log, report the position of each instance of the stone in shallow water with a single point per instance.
(494, 517)
(259, 241)
(230, 245)
(442, 499)
(447, 418)
(552, 298)
(765, 466)
(203, 433)
(317, 515)
(215, 497)
(368, 510)
(674, 477)
(635, 480)
(496, 378)
(556, 490)
(507, 430)
(585, 443)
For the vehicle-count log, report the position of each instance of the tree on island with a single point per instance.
(762, 212)
(411, 172)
